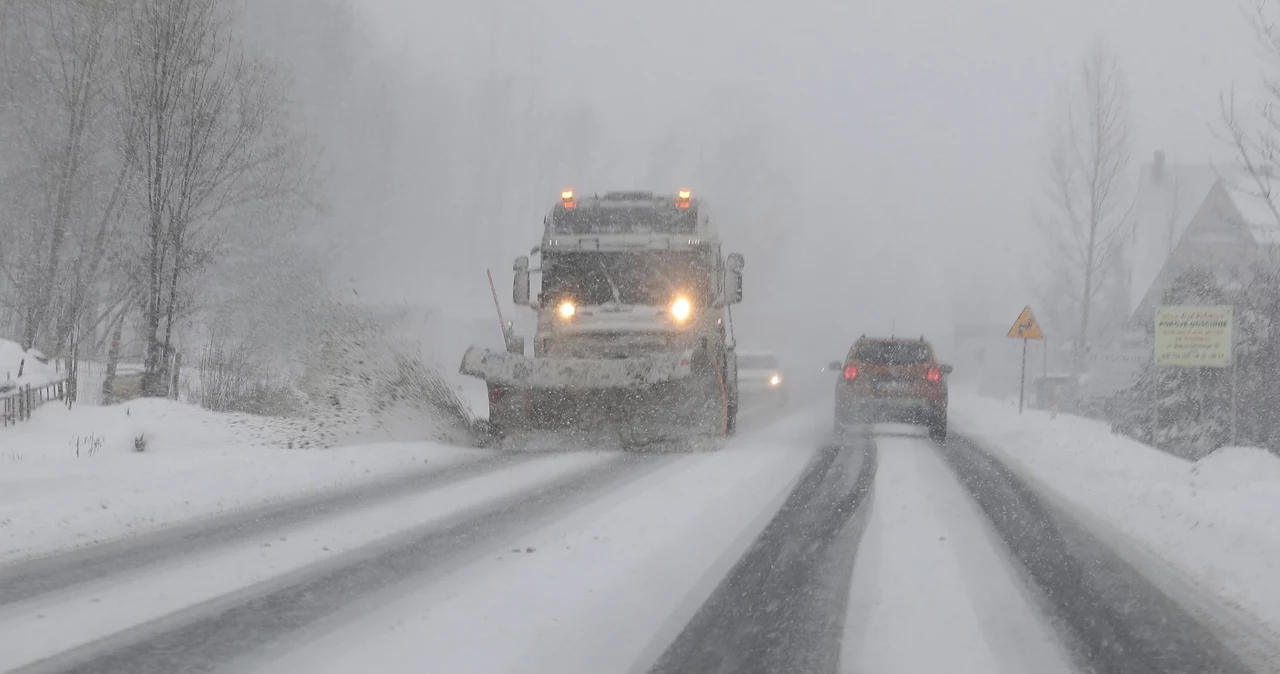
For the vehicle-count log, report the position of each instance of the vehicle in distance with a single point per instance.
(760, 378)
(892, 380)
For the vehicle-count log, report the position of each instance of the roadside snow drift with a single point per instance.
(1206, 528)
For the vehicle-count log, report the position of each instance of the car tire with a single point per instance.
(938, 429)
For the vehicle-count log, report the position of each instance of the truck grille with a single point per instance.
(610, 345)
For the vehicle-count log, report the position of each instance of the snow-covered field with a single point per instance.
(75, 477)
(1209, 531)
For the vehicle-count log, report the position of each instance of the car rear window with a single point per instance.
(892, 353)
(757, 362)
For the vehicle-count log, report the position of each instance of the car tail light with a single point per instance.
(851, 372)
(935, 374)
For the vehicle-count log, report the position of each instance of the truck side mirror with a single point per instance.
(520, 285)
(835, 366)
(733, 278)
(947, 369)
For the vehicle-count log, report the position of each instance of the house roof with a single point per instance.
(1254, 208)
(1224, 203)
(1169, 197)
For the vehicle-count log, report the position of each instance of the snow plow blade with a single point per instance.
(514, 370)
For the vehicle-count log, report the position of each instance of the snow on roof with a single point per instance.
(1255, 208)
(1169, 197)
(13, 358)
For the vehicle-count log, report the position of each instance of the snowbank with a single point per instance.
(73, 477)
(164, 426)
(34, 372)
(1238, 466)
(1210, 527)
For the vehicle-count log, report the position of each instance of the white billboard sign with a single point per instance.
(1193, 336)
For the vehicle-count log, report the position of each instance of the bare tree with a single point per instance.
(64, 71)
(1257, 144)
(1089, 200)
(208, 125)
(1254, 134)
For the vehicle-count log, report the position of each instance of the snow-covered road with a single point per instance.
(783, 551)
(931, 570)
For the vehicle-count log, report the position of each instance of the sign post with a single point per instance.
(1025, 328)
(1192, 336)
(1022, 384)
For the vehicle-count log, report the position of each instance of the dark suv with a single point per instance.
(898, 380)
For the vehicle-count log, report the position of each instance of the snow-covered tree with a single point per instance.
(207, 123)
(1193, 405)
(69, 180)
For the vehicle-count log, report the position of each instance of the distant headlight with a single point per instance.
(680, 309)
(567, 310)
(775, 380)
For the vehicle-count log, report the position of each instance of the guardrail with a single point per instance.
(18, 404)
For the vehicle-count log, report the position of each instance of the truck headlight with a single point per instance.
(567, 310)
(775, 380)
(681, 308)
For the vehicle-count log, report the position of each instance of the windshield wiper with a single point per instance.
(617, 299)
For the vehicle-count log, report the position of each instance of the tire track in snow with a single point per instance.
(931, 570)
(205, 637)
(1114, 619)
(781, 608)
(33, 578)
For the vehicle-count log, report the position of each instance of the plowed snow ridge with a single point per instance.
(931, 571)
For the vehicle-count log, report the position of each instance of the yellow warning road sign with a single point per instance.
(1026, 327)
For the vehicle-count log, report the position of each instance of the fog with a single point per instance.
(879, 163)
(898, 147)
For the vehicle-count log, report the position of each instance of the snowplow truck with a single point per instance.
(634, 327)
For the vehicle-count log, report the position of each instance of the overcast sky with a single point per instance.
(918, 126)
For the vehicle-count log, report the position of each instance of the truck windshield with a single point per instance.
(652, 278)
(618, 220)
